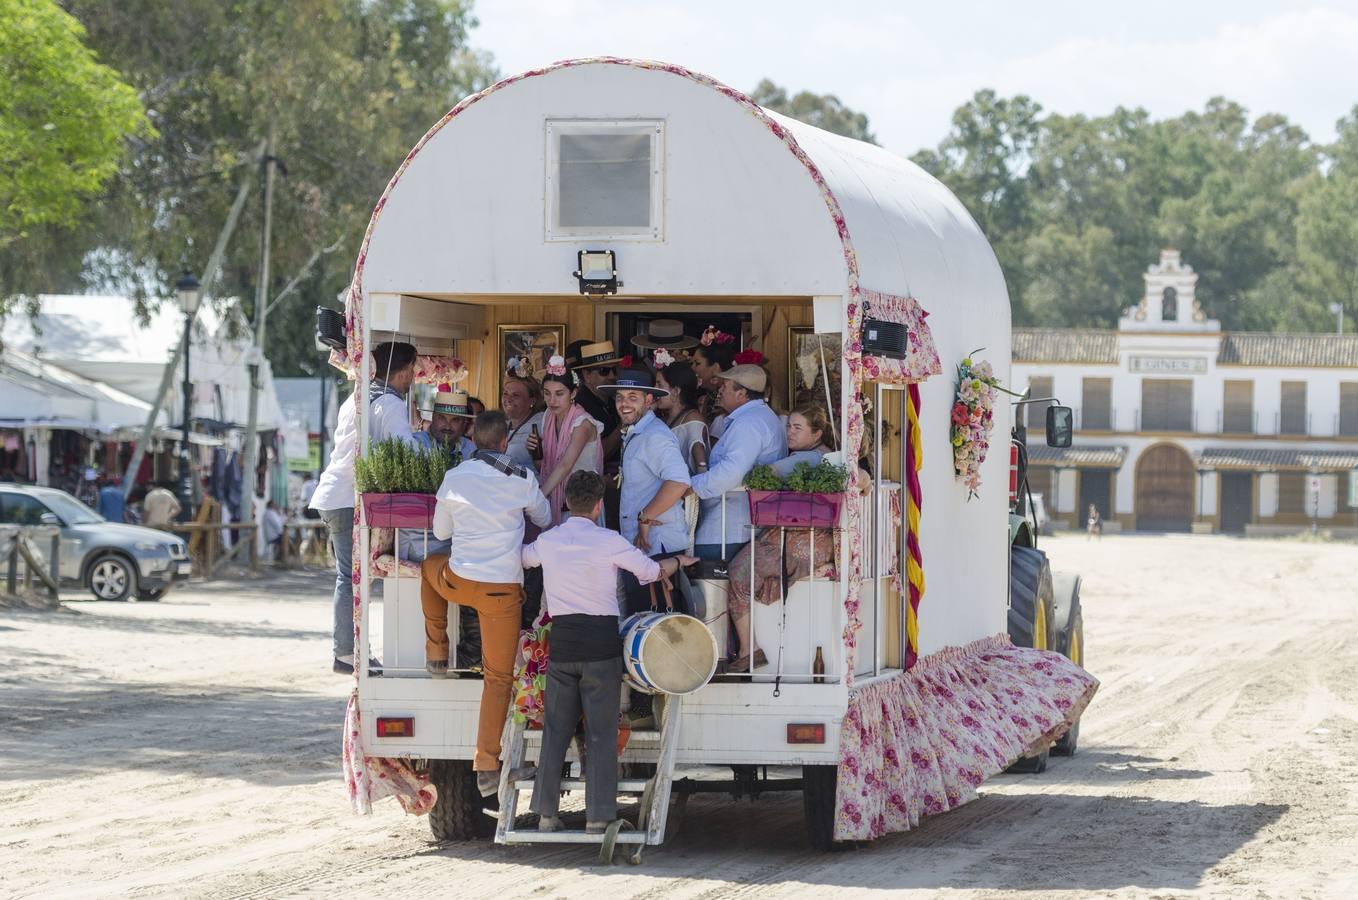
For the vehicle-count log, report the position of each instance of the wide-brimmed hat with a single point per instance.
(752, 378)
(453, 402)
(635, 380)
(665, 333)
(591, 355)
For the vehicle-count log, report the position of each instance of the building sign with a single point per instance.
(309, 463)
(1169, 365)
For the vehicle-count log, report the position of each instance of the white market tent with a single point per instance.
(40, 394)
(102, 339)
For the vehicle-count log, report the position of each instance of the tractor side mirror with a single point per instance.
(1060, 426)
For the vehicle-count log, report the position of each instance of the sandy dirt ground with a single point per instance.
(190, 748)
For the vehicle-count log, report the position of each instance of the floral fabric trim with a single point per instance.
(920, 743)
(921, 360)
(371, 778)
(530, 671)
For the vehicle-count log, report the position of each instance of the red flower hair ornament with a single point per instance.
(749, 358)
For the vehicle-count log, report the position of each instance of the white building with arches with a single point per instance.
(1182, 426)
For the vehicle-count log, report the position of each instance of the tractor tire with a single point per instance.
(1032, 619)
(1031, 600)
(457, 814)
(1073, 643)
(818, 806)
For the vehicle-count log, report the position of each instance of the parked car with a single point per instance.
(114, 560)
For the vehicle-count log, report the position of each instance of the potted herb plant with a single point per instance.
(810, 497)
(397, 482)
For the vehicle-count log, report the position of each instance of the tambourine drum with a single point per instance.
(667, 653)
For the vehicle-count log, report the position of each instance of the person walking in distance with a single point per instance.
(480, 511)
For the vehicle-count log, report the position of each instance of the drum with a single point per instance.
(667, 653)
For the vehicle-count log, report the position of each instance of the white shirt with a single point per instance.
(308, 490)
(580, 563)
(273, 525)
(481, 510)
(389, 419)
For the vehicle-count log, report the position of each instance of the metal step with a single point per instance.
(625, 785)
(532, 836)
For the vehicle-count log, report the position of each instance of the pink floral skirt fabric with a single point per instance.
(922, 742)
(370, 778)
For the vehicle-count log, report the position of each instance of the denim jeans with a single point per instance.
(340, 524)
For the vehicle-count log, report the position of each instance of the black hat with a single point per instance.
(635, 380)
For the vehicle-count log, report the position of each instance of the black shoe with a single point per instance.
(343, 668)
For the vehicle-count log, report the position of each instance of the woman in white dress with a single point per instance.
(570, 437)
(681, 409)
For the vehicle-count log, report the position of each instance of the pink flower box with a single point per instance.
(794, 509)
(399, 510)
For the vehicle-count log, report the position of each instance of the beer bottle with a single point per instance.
(536, 451)
(818, 667)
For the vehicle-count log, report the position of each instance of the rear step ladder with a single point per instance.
(653, 809)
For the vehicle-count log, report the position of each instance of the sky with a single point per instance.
(908, 65)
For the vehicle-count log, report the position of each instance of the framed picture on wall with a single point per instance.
(526, 348)
(806, 351)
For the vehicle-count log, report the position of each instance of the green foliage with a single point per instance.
(349, 85)
(1077, 207)
(394, 466)
(64, 119)
(821, 110)
(823, 478)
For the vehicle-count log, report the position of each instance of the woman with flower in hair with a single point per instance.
(569, 441)
(681, 409)
(714, 354)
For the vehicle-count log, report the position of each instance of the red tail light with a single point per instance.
(396, 727)
(1013, 474)
(806, 733)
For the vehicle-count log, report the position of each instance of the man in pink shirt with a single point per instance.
(580, 563)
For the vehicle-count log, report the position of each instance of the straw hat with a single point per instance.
(600, 354)
(453, 402)
(665, 333)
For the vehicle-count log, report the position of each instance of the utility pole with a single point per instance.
(251, 452)
(209, 276)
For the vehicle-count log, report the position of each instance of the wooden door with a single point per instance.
(1237, 501)
(1164, 490)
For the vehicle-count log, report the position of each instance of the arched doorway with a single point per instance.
(1164, 489)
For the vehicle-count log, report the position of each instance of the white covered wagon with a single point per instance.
(714, 207)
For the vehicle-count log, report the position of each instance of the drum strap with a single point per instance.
(667, 588)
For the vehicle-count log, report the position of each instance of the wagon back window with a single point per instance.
(604, 180)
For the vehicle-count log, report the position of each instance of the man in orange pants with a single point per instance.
(480, 510)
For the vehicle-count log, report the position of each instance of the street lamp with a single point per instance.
(187, 291)
(1338, 309)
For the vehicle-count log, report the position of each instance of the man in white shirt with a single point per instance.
(480, 510)
(308, 491)
(753, 436)
(334, 495)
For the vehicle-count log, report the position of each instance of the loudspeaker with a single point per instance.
(330, 328)
(882, 338)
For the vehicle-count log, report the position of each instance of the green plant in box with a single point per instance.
(394, 466)
(823, 478)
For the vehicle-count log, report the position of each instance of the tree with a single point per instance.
(1327, 230)
(821, 110)
(349, 86)
(64, 120)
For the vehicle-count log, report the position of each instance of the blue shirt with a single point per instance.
(650, 457)
(111, 503)
(753, 436)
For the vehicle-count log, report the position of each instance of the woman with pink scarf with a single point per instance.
(570, 437)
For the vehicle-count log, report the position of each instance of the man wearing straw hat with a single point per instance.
(452, 417)
(595, 365)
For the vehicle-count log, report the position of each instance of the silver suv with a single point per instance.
(115, 561)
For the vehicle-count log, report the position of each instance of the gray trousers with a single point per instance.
(574, 688)
(340, 524)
